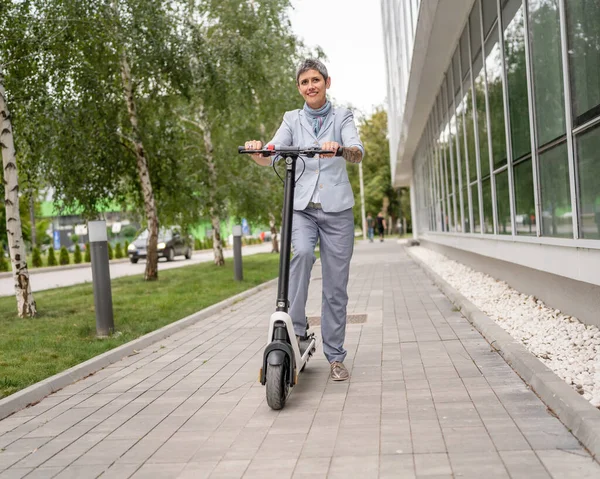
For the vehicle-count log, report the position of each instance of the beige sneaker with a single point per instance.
(339, 371)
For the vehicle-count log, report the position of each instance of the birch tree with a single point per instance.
(25, 303)
(151, 271)
(243, 83)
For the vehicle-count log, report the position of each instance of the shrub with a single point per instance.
(51, 257)
(126, 248)
(4, 264)
(64, 256)
(87, 257)
(197, 244)
(36, 258)
(129, 231)
(77, 255)
(118, 251)
(111, 254)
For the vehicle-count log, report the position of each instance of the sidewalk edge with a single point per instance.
(53, 269)
(36, 392)
(576, 413)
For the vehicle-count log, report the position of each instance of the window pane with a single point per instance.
(448, 90)
(470, 134)
(524, 198)
(447, 186)
(466, 206)
(453, 159)
(442, 189)
(555, 192)
(488, 212)
(460, 141)
(493, 69)
(464, 53)
(484, 153)
(475, 27)
(475, 200)
(514, 45)
(588, 160)
(583, 25)
(547, 69)
(456, 73)
(503, 203)
(490, 13)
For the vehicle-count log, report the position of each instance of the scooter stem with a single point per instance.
(286, 232)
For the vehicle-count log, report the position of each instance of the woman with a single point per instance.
(323, 202)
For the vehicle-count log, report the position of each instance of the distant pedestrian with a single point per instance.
(370, 227)
(381, 226)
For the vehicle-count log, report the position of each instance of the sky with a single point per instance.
(350, 34)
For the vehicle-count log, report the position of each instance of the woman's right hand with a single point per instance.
(255, 145)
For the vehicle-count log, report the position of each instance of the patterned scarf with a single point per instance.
(318, 116)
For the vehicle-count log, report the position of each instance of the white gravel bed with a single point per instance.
(564, 344)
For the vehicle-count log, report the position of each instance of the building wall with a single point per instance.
(508, 163)
(399, 25)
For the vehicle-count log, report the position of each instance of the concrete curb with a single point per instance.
(50, 269)
(36, 392)
(577, 414)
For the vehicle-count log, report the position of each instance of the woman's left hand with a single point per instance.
(330, 145)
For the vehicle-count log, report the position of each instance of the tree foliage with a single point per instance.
(378, 190)
(64, 257)
(36, 259)
(77, 255)
(4, 265)
(221, 67)
(51, 257)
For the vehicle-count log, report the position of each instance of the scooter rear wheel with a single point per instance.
(277, 386)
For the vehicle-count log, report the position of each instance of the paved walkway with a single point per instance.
(427, 398)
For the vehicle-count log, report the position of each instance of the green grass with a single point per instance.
(63, 333)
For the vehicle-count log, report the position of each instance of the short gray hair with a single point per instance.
(311, 64)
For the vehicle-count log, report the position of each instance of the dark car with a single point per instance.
(171, 243)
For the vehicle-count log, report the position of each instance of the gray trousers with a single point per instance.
(336, 234)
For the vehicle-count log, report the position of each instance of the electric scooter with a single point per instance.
(282, 359)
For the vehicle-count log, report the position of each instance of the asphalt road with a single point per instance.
(69, 277)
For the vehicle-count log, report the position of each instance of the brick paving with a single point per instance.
(427, 398)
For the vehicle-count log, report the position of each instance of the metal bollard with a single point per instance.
(105, 325)
(237, 252)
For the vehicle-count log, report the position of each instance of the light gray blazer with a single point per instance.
(328, 173)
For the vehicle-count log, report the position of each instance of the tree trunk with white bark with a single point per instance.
(151, 272)
(25, 303)
(274, 236)
(212, 185)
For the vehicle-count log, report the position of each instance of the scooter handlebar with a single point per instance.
(289, 150)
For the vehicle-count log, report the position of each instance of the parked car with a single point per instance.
(171, 243)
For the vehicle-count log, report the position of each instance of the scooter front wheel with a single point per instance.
(277, 386)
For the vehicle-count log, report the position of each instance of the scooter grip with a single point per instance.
(241, 149)
(339, 151)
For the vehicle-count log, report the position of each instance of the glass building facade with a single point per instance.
(511, 146)
(399, 17)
